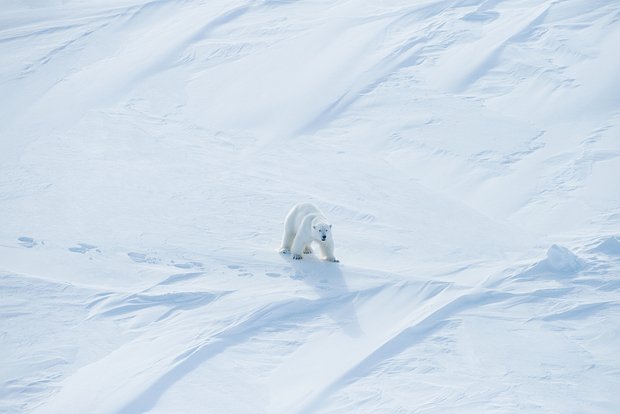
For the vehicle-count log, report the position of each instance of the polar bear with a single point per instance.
(304, 224)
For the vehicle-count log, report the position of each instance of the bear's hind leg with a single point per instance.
(287, 241)
(297, 248)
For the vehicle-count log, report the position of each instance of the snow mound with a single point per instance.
(561, 260)
(609, 246)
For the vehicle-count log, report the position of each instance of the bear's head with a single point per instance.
(321, 232)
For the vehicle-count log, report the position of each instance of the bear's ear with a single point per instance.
(330, 226)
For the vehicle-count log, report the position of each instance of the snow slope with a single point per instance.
(466, 152)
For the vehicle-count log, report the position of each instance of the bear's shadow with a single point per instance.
(327, 279)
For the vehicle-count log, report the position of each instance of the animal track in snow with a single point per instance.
(240, 270)
(142, 258)
(27, 242)
(188, 265)
(83, 248)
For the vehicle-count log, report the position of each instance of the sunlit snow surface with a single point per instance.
(466, 152)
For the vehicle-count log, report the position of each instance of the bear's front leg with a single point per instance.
(327, 248)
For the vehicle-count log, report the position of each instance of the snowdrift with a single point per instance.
(466, 153)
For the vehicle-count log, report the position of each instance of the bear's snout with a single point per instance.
(323, 238)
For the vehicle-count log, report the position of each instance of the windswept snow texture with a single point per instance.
(467, 153)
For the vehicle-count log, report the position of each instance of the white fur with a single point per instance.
(303, 225)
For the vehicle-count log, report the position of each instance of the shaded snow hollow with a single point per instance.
(466, 153)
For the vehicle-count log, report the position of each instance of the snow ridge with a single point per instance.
(465, 152)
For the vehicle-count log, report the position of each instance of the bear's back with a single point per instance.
(298, 215)
(303, 209)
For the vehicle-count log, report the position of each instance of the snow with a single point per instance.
(466, 153)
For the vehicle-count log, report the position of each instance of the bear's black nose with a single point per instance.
(323, 238)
